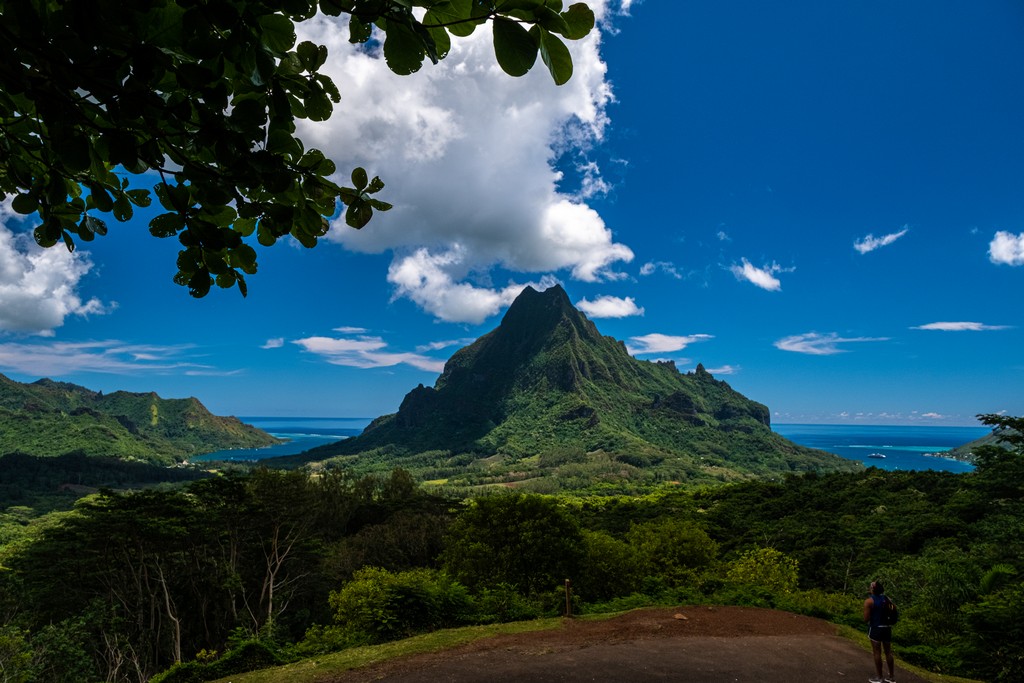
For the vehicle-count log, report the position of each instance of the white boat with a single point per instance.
(876, 455)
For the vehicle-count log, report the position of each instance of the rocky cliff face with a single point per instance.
(546, 379)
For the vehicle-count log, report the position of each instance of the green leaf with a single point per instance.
(226, 279)
(25, 204)
(359, 178)
(47, 234)
(166, 225)
(403, 49)
(101, 200)
(318, 106)
(311, 55)
(442, 41)
(358, 214)
(580, 20)
(509, 5)
(457, 13)
(74, 153)
(278, 32)
(122, 208)
(98, 226)
(199, 283)
(555, 55)
(139, 197)
(358, 30)
(243, 256)
(244, 226)
(514, 47)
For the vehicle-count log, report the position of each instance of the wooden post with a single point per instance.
(568, 598)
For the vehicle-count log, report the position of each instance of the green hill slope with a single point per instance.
(48, 418)
(546, 394)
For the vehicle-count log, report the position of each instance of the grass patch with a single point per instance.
(307, 670)
(858, 636)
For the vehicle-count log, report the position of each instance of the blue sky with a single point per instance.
(823, 203)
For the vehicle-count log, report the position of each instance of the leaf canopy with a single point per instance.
(204, 98)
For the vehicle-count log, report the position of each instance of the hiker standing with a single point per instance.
(879, 633)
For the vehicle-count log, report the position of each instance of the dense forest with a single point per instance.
(202, 579)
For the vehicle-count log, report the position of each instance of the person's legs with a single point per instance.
(889, 661)
(876, 651)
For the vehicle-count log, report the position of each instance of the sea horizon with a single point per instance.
(904, 447)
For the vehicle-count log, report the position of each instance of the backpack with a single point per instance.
(890, 613)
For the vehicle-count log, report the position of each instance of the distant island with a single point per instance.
(48, 418)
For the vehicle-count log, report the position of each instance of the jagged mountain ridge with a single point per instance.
(49, 418)
(546, 380)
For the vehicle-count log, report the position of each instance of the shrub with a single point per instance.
(765, 568)
(378, 605)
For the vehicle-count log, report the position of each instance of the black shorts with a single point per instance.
(881, 634)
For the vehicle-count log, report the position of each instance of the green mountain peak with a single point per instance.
(545, 380)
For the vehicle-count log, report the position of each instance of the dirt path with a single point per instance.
(700, 644)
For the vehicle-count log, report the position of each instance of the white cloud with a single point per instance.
(663, 343)
(668, 267)
(432, 281)
(610, 307)
(1007, 248)
(108, 356)
(274, 343)
(445, 344)
(870, 243)
(724, 370)
(762, 277)
(365, 352)
(39, 287)
(816, 344)
(467, 154)
(933, 416)
(960, 327)
(351, 330)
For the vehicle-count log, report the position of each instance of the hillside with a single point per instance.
(546, 395)
(47, 418)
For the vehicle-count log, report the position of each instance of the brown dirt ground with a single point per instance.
(700, 644)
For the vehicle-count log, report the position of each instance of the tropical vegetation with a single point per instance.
(249, 569)
(48, 418)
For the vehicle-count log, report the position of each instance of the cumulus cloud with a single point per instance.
(960, 327)
(274, 343)
(762, 277)
(667, 267)
(816, 344)
(870, 242)
(365, 352)
(107, 356)
(663, 343)
(432, 281)
(39, 287)
(1007, 248)
(468, 156)
(610, 307)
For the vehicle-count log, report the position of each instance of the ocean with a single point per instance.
(302, 433)
(904, 448)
